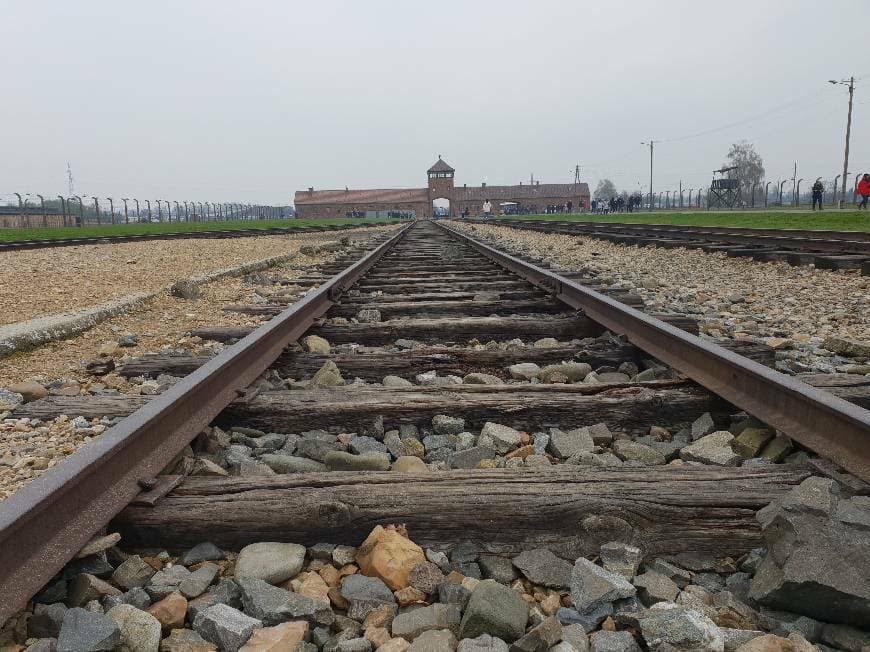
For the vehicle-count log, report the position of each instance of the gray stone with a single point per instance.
(450, 593)
(540, 566)
(435, 640)
(703, 426)
(601, 435)
(620, 558)
(591, 584)
(434, 442)
(500, 569)
(677, 575)
(540, 441)
(410, 624)
(784, 623)
(844, 637)
(341, 461)
(166, 581)
(201, 552)
(804, 572)
(653, 587)
(576, 637)
(272, 562)
(363, 445)
(501, 438)
(685, 630)
(439, 559)
(631, 450)
(539, 638)
(573, 442)
(523, 370)
(85, 631)
(224, 626)
(368, 316)
(315, 344)
(365, 594)
(573, 371)
(713, 449)
(137, 597)
(344, 555)
(46, 620)
(273, 605)
(481, 379)
(396, 381)
(496, 610)
(605, 641)
(43, 645)
(140, 631)
(471, 457)
(198, 581)
(443, 424)
(132, 572)
(426, 577)
(291, 464)
(483, 643)
(589, 619)
(734, 638)
(226, 592)
(85, 587)
(184, 640)
(358, 644)
(327, 376)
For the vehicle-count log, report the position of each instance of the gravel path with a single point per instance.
(46, 281)
(791, 308)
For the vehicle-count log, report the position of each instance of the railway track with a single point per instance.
(824, 249)
(19, 245)
(475, 397)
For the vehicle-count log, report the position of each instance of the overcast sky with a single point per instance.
(250, 101)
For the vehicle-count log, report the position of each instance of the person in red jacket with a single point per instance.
(863, 190)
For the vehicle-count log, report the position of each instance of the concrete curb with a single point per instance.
(29, 334)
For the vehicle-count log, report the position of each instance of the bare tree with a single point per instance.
(605, 189)
(750, 166)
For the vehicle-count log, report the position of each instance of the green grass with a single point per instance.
(831, 219)
(66, 233)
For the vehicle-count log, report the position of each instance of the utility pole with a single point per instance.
(69, 180)
(851, 84)
(650, 143)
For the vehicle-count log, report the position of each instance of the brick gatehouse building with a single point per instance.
(418, 202)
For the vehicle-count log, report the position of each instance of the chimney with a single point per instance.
(465, 187)
(310, 190)
(537, 183)
(483, 185)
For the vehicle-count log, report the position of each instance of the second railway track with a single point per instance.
(451, 387)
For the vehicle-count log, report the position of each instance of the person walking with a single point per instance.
(487, 209)
(863, 190)
(818, 191)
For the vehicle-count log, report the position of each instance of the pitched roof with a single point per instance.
(440, 166)
(542, 191)
(385, 195)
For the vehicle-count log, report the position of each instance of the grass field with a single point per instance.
(831, 220)
(66, 233)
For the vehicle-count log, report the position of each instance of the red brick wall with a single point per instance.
(332, 211)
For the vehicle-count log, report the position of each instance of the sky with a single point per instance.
(249, 101)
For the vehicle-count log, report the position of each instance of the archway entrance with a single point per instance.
(441, 207)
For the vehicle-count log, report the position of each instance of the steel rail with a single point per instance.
(48, 521)
(809, 241)
(808, 234)
(19, 245)
(826, 424)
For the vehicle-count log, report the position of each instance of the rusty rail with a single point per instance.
(49, 520)
(826, 424)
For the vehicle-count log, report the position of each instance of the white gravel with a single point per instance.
(791, 308)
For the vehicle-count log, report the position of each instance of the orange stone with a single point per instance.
(394, 645)
(409, 595)
(278, 638)
(380, 616)
(523, 451)
(336, 598)
(330, 576)
(314, 587)
(170, 611)
(377, 636)
(387, 554)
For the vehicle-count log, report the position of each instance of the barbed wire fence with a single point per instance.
(33, 210)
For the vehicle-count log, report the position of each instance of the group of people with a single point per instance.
(618, 204)
(567, 207)
(862, 190)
